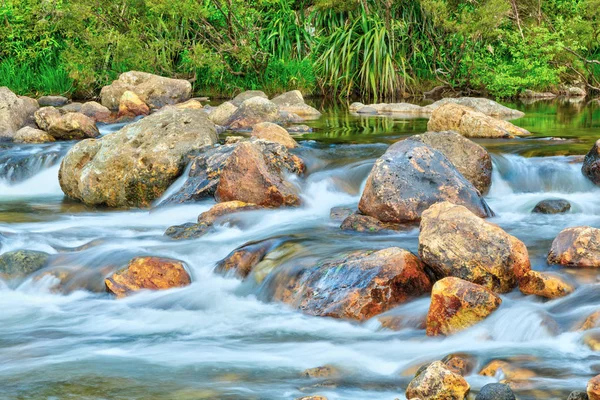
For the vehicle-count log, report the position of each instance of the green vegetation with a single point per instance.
(372, 48)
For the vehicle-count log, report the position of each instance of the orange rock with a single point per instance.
(190, 104)
(591, 322)
(221, 209)
(455, 242)
(593, 388)
(326, 371)
(358, 286)
(576, 247)
(243, 259)
(251, 176)
(273, 133)
(592, 340)
(130, 105)
(544, 285)
(152, 273)
(461, 364)
(505, 371)
(457, 304)
(437, 382)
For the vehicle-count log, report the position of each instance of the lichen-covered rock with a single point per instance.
(28, 134)
(480, 104)
(357, 287)
(495, 391)
(576, 247)
(254, 176)
(253, 111)
(469, 158)
(273, 133)
(135, 165)
(96, 111)
(457, 305)
(471, 123)
(65, 126)
(364, 223)
(21, 263)
(591, 164)
(552, 206)
(437, 382)
(131, 106)
(593, 388)
(412, 176)
(148, 273)
(52, 101)
(15, 112)
(455, 242)
(156, 91)
(248, 94)
(222, 114)
(578, 395)
(544, 285)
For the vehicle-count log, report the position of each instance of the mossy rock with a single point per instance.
(21, 263)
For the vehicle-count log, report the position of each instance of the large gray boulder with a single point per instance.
(248, 94)
(135, 165)
(154, 90)
(65, 125)
(480, 104)
(253, 111)
(293, 102)
(15, 112)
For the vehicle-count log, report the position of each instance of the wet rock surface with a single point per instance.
(576, 247)
(21, 263)
(552, 206)
(591, 164)
(437, 382)
(366, 224)
(65, 126)
(544, 285)
(409, 178)
(273, 133)
(495, 391)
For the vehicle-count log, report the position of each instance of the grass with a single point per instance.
(45, 78)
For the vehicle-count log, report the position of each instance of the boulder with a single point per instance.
(52, 101)
(471, 123)
(552, 206)
(15, 112)
(593, 388)
(412, 176)
(544, 285)
(457, 305)
(248, 94)
(96, 111)
(326, 371)
(530, 94)
(242, 260)
(273, 133)
(21, 263)
(156, 91)
(480, 104)
(147, 273)
(364, 223)
(340, 213)
(578, 395)
(356, 287)
(469, 158)
(495, 259)
(591, 164)
(65, 126)
(222, 114)
(367, 110)
(437, 382)
(253, 176)
(28, 134)
(291, 98)
(252, 112)
(135, 165)
(131, 106)
(576, 247)
(354, 107)
(495, 391)
(72, 107)
(191, 104)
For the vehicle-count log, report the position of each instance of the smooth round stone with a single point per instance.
(552, 206)
(495, 391)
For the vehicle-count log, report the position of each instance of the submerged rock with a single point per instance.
(364, 223)
(591, 322)
(437, 382)
(457, 305)
(65, 126)
(273, 133)
(504, 369)
(409, 178)
(552, 206)
(253, 111)
(471, 123)
(455, 242)
(21, 263)
(480, 104)
(242, 260)
(340, 213)
(148, 273)
(544, 285)
(15, 112)
(357, 287)
(253, 175)
(469, 158)
(156, 91)
(576, 247)
(135, 165)
(495, 391)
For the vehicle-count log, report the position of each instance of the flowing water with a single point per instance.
(220, 339)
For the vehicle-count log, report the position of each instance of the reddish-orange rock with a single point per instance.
(593, 388)
(437, 382)
(457, 304)
(151, 273)
(461, 364)
(544, 285)
(273, 133)
(576, 247)
(455, 242)
(358, 286)
(506, 371)
(252, 176)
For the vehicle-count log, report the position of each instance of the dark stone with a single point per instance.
(552, 206)
(52, 101)
(20, 263)
(188, 230)
(578, 395)
(364, 223)
(242, 260)
(495, 391)
(591, 163)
